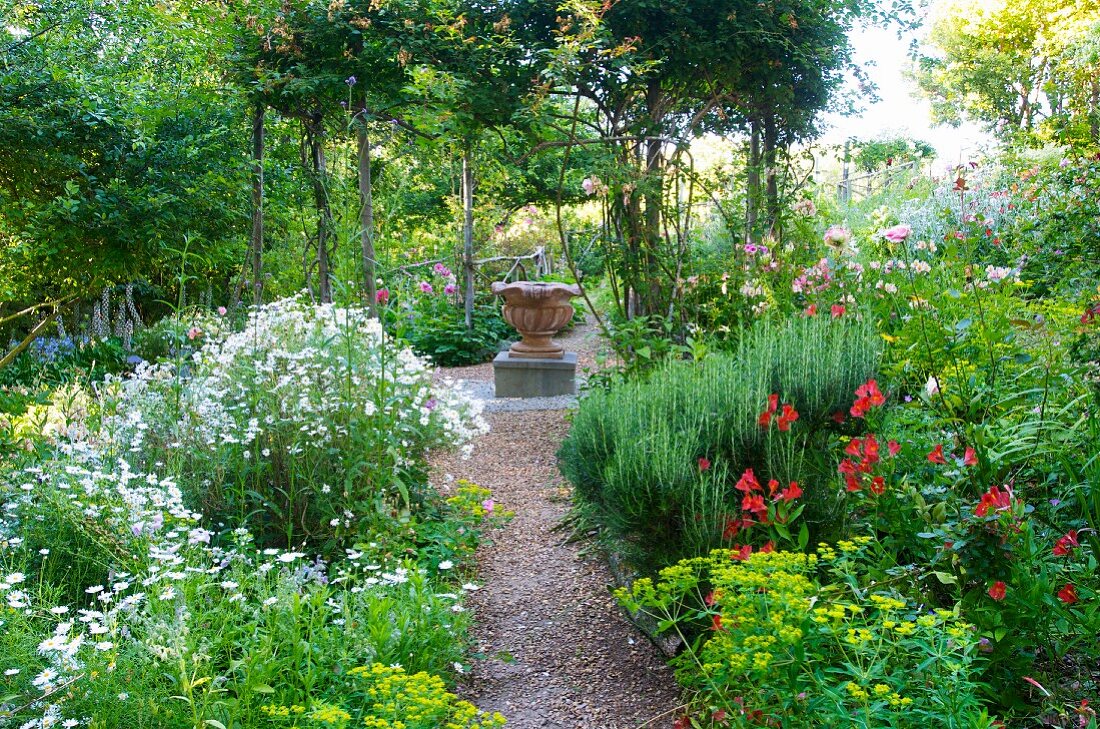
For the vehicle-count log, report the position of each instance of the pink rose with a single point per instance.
(898, 233)
(222, 311)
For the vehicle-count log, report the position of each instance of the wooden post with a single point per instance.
(845, 190)
(468, 235)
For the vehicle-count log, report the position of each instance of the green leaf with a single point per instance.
(803, 537)
(214, 723)
(263, 688)
(946, 578)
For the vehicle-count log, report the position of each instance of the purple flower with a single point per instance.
(751, 248)
(488, 505)
(430, 405)
(425, 287)
(449, 289)
(137, 528)
(350, 80)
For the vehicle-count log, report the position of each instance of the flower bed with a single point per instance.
(126, 605)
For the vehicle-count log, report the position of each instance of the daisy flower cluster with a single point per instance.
(146, 570)
(304, 417)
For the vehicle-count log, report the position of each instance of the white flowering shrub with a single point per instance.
(308, 424)
(118, 608)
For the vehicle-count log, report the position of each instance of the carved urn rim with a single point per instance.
(535, 294)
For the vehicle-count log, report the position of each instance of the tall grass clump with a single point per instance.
(634, 450)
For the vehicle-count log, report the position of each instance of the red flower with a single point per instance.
(936, 455)
(684, 722)
(748, 482)
(870, 449)
(878, 485)
(868, 395)
(970, 458)
(754, 503)
(1066, 544)
(994, 500)
(765, 418)
(740, 554)
(788, 416)
(733, 526)
(772, 486)
(837, 311)
(768, 547)
(709, 599)
(704, 464)
(893, 447)
(855, 448)
(838, 417)
(870, 391)
(847, 467)
(790, 493)
(811, 310)
(852, 483)
(998, 591)
(716, 623)
(1068, 594)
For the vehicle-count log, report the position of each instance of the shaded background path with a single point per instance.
(555, 650)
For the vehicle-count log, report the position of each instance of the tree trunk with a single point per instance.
(752, 187)
(654, 198)
(1094, 110)
(846, 190)
(316, 137)
(771, 143)
(257, 240)
(33, 335)
(468, 235)
(366, 217)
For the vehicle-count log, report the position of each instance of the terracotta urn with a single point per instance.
(538, 311)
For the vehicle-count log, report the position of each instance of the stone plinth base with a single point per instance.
(523, 377)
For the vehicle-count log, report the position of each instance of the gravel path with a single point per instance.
(554, 650)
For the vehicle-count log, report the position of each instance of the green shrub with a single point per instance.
(634, 450)
(310, 424)
(437, 330)
(812, 640)
(58, 360)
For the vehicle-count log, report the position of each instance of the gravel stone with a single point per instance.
(553, 650)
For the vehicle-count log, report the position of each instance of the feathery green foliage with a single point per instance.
(633, 453)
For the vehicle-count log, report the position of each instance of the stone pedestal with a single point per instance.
(526, 377)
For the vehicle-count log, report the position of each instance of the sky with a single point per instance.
(885, 59)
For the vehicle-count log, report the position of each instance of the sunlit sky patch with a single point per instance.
(900, 110)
